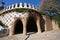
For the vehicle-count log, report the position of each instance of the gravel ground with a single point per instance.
(50, 35)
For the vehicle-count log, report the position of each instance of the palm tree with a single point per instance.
(3, 3)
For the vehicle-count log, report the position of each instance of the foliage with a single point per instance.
(56, 18)
(55, 1)
(23, 10)
(45, 5)
(3, 25)
(43, 13)
(3, 3)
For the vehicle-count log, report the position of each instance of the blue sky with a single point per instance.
(10, 2)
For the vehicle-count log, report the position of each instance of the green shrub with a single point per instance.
(3, 25)
(56, 18)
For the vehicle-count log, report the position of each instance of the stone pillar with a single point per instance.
(38, 25)
(45, 22)
(11, 31)
(24, 26)
(48, 23)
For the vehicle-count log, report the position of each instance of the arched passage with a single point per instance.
(42, 23)
(31, 25)
(18, 27)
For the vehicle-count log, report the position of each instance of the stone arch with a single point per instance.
(31, 24)
(18, 27)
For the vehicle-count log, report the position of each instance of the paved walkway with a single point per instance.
(51, 35)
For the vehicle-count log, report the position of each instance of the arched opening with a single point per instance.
(42, 23)
(31, 25)
(18, 27)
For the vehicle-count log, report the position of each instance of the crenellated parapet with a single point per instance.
(20, 5)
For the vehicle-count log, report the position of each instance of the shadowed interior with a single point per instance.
(31, 25)
(18, 27)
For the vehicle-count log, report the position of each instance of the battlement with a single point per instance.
(20, 5)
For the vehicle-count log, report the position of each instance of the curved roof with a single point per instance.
(19, 6)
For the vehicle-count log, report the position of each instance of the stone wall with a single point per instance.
(55, 25)
(8, 18)
(48, 23)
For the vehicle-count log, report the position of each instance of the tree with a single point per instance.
(3, 3)
(2, 6)
(46, 4)
(51, 6)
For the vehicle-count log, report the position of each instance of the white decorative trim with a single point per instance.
(10, 7)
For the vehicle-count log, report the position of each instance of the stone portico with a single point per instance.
(25, 19)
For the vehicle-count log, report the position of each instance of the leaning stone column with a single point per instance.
(24, 26)
(38, 25)
(48, 23)
(11, 31)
